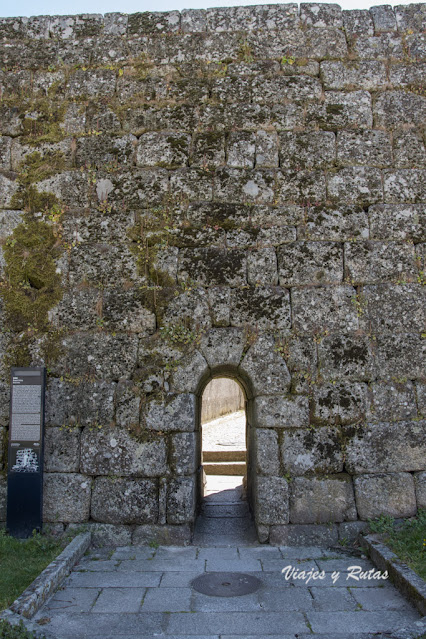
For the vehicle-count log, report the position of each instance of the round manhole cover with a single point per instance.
(226, 584)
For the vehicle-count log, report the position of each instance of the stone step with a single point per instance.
(240, 509)
(225, 468)
(224, 455)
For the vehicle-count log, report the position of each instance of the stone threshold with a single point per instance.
(43, 586)
(410, 585)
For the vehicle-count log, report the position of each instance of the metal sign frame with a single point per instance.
(26, 451)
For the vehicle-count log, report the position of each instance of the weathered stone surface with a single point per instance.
(321, 15)
(316, 450)
(101, 355)
(339, 110)
(124, 501)
(412, 16)
(407, 75)
(335, 223)
(265, 367)
(393, 307)
(404, 185)
(400, 355)
(79, 401)
(284, 88)
(167, 535)
(127, 403)
(8, 187)
(409, 149)
(190, 309)
(389, 494)
(262, 267)
(301, 186)
(66, 497)
(396, 222)
(303, 535)
(373, 261)
(393, 109)
(266, 452)
(310, 263)
(316, 149)
(5, 153)
(281, 411)
(106, 534)
(420, 486)
(360, 184)
(213, 266)
(223, 346)
(317, 500)
(183, 457)
(241, 149)
(372, 148)
(247, 186)
(340, 402)
(110, 451)
(366, 74)
(421, 397)
(391, 402)
(181, 500)
(2, 445)
(380, 47)
(357, 22)
(261, 307)
(345, 356)
(272, 500)
(173, 413)
(219, 302)
(383, 18)
(189, 373)
(168, 150)
(349, 531)
(387, 447)
(266, 149)
(3, 498)
(61, 450)
(327, 308)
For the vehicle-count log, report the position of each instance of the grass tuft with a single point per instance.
(21, 562)
(407, 539)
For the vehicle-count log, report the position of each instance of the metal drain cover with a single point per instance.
(226, 584)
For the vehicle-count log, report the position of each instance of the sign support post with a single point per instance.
(25, 454)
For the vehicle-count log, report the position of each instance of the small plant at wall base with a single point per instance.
(18, 631)
(407, 540)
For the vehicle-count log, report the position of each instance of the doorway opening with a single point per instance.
(224, 507)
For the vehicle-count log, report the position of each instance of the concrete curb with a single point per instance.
(48, 581)
(408, 583)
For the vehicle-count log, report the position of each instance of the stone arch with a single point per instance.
(255, 362)
(230, 372)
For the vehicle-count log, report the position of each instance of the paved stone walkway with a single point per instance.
(145, 592)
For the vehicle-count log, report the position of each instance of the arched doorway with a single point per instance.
(224, 495)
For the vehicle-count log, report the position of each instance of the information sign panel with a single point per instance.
(25, 465)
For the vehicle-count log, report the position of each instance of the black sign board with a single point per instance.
(25, 467)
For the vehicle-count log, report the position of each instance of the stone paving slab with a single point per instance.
(380, 599)
(132, 593)
(167, 600)
(120, 600)
(114, 579)
(324, 622)
(236, 623)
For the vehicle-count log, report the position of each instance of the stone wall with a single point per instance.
(233, 191)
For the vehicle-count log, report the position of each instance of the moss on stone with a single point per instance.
(30, 286)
